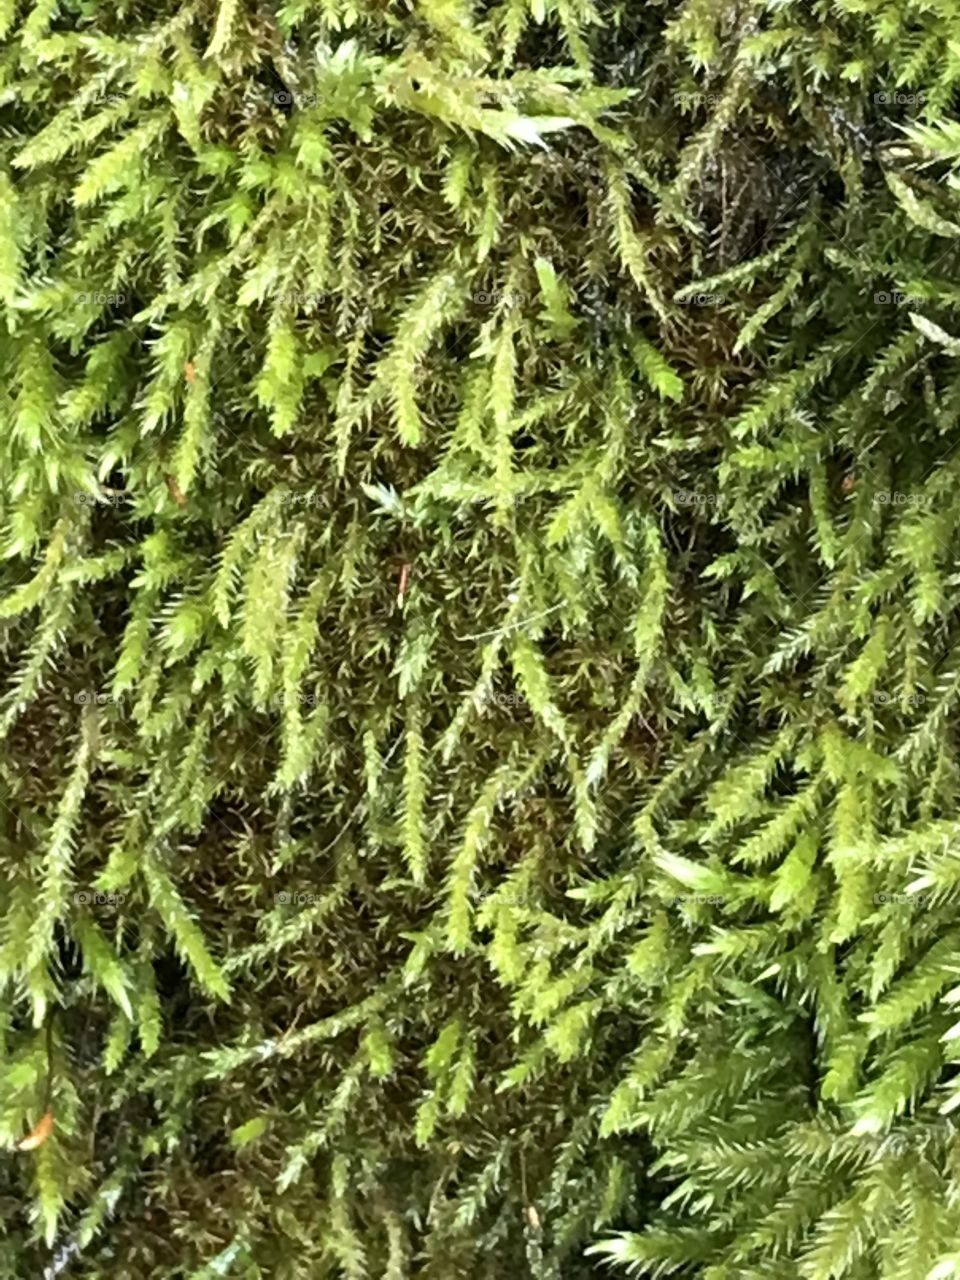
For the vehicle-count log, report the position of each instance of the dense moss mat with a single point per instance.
(478, 612)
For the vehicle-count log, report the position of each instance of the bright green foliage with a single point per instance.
(479, 517)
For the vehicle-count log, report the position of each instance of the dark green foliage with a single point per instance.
(479, 516)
